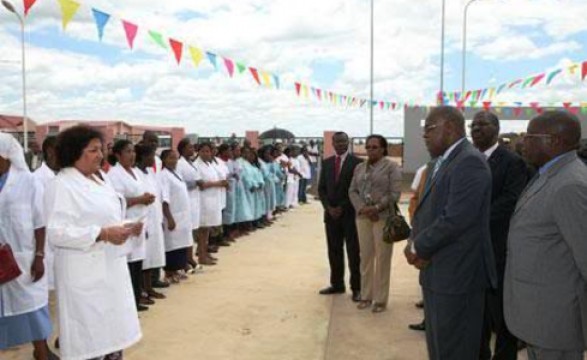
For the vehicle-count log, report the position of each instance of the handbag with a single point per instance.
(396, 227)
(9, 269)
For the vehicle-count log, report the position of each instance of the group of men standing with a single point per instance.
(500, 241)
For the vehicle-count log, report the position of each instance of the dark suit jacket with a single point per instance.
(451, 225)
(333, 193)
(510, 176)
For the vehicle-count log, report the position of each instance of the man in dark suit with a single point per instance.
(509, 177)
(339, 217)
(450, 241)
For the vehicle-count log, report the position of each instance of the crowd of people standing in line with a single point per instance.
(108, 227)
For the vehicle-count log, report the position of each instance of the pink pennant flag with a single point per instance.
(461, 104)
(381, 104)
(567, 105)
(319, 94)
(229, 66)
(298, 87)
(130, 30)
(514, 83)
(255, 74)
(537, 79)
(393, 105)
(517, 111)
(28, 4)
(177, 47)
(584, 70)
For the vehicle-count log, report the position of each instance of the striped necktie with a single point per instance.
(437, 166)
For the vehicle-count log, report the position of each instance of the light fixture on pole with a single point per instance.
(11, 8)
(464, 55)
(372, 63)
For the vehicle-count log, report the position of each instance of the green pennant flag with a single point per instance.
(157, 39)
(527, 81)
(584, 110)
(241, 67)
(529, 112)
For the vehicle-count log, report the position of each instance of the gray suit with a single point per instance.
(451, 229)
(545, 290)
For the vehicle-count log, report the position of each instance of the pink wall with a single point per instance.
(328, 146)
(253, 137)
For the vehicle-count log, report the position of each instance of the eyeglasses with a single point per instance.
(429, 128)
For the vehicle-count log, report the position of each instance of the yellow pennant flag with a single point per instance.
(573, 68)
(197, 55)
(305, 89)
(68, 10)
(491, 93)
(266, 79)
(497, 110)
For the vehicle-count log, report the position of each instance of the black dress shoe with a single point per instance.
(141, 308)
(160, 284)
(331, 291)
(356, 296)
(418, 327)
(419, 304)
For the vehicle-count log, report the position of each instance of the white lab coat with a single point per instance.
(131, 187)
(210, 204)
(293, 184)
(305, 168)
(155, 242)
(44, 175)
(175, 193)
(189, 173)
(223, 172)
(20, 214)
(96, 307)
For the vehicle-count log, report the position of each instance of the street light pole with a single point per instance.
(464, 55)
(11, 9)
(441, 93)
(372, 65)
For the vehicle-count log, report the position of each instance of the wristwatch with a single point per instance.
(40, 254)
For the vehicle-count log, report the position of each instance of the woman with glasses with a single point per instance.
(374, 192)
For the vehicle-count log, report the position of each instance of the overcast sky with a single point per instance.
(72, 75)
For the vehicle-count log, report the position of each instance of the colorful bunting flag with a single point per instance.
(266, 79)
(101, 19)
(584, 70)
(298, 88)
(28, 4)
(130, 30)
(68, 10)
(229, 66)
(157, 38)
(212, 59)
(255, 74)
(514, 83)
(552, 75)
(177, 48)
(537, 79)
(527, 82)
(241, 67)
(276, 81)
(197, 55)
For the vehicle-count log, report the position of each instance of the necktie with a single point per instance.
(437, 166)
(337, 162)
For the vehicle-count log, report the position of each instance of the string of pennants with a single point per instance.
(475, 98)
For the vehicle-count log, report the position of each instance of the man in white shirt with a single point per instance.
(305, 175)
(313, 155)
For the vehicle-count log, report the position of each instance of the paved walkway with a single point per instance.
(261, 302)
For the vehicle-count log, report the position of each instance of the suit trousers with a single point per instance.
(375, 261)
(453, 324)
(536, 353)
(338, 233)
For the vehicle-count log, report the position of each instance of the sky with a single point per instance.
(73, 75)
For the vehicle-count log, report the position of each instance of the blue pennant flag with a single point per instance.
(101, 21)
(212, 58)
(276, 79)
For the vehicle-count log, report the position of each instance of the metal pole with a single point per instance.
(442, 53)
(464, 55)
(372, 65)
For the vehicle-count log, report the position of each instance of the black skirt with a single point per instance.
(176, 259)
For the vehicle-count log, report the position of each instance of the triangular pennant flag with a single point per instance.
(319, 94)
(157, 38)
(229, 66)
(68, 10)
(527, 81)
(567, 105)
(491, 93)
(514, 83)
(305, 89)
(276, 80)
(28, 4)
(583, 108)
(501, 88)
(517, 112)
(197, 55)
(552, 75)
(130, 30)
(363, 102)
(483, 93)
(266, 79)
(241, 67)
(573, 68)
(584, 70)
(393, 105)
(529, 112)
(472, 103)
(497, 110)
(101, 19)
(298, 88)
(381, 104)
(212, 59)
(486, 105)
(255, 74)
(467, 95)
(537, 79)
(177, 48)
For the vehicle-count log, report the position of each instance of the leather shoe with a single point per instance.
(141, 308)
(160, 284)
(419, 304)
(331, 291)
(418, 327)
(356, 296)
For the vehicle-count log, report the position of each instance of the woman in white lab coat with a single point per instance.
(85, 225)
(177, 224)
(190, 174)
(210, 202)
(154, 241)
(24, 310)
(229, 212)
(127, 181)
(293, 177)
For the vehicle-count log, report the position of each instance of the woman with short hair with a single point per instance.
(374, 192)
(87, 228)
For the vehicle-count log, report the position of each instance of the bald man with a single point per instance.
(545, 290)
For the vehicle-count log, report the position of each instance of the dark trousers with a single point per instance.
(453, 325)
(302, 190)
(338, 233)
(506, 345)
(136, 277)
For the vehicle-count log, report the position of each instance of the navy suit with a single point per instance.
(451, 230)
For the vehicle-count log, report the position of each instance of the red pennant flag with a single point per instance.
(319, 94)
(255, 74)
(461, 104)
(467, 95)
(381, 105)
(486, 105)
(511, 85)
(28, 4)
(537, 79)
(536, 107)
(584, 70)
(130, 30)
(567, 105)
(177, 48)
(298, 86)
(393, 105)
(229, 66)
(517, 111)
